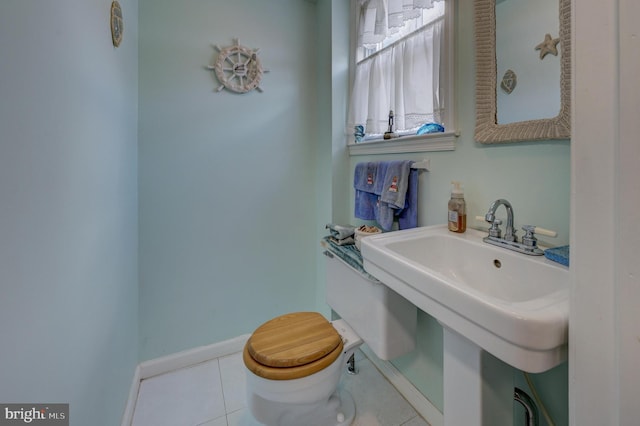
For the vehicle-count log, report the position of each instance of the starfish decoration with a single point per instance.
(548, 46)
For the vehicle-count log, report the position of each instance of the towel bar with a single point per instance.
(422, 165)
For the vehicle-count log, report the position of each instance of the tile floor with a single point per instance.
(212, 394)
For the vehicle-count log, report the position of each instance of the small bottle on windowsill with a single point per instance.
(457, 209)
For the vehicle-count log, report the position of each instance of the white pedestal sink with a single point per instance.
(513, 306)
(468, 398)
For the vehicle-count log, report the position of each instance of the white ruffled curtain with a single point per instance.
(381, 18)
(386, 80)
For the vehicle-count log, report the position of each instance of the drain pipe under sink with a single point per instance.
(530, 410)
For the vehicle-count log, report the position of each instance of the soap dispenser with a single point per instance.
(457, 209)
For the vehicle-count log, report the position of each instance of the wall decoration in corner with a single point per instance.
(238, 68)
(117, 23)
(548, 46)
(509, 81)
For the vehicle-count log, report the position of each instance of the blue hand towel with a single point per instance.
(385, 191)
(408, 217)
(366, 205)
(396, 181)
(393, 193)
(364, 182)
(364, 176)
(384, 215)
(378, 184)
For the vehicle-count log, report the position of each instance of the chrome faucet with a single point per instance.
(509, 233)
(529, 244)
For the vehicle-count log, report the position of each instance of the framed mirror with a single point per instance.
(500, 81)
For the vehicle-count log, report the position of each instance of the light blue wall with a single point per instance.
(534, 176)
(229, 219)
(68, 207)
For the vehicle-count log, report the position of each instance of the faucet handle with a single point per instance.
(495, 230)
(530, 240)
(540, 231)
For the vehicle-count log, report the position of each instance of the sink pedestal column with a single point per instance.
(478, 388)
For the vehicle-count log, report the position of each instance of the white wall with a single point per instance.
(68, 206)
(228, 203)
(604, 348)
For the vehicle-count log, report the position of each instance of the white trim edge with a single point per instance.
(190, 357)
(417, 400)
(165, 364)
(417, 143)
(127, 417)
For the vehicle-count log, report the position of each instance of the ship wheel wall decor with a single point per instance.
(238, 68)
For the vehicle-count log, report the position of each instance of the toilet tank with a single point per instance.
(385, 320)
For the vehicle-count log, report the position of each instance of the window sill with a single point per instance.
(416, 143)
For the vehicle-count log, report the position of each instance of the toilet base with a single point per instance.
(338, 410)
(348, 408)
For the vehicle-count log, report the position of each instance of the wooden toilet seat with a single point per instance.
(292, 346)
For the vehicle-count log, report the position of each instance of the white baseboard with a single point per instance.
(176, 361)
(191, 357)
(418, 401)
(127, 417)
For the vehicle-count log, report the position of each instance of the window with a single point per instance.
(402, 62)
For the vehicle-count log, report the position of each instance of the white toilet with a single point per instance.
(294, 362)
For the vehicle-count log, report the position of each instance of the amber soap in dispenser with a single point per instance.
(457, 209)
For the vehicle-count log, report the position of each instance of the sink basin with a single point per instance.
(512, 305)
